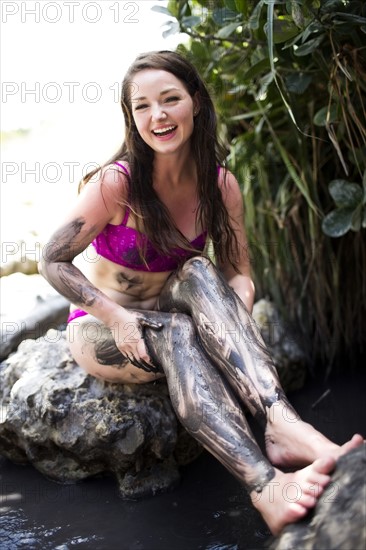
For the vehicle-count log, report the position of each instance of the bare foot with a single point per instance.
(288, 497)
(292, 442)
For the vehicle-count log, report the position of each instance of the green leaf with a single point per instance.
(309, 46)
(325, 115)
(241, 6)
(173, 8)
(226, 31)
(298, 83)
(354, 19)
(162, 9)
(231, 5)
(297, 14)
(345, 194)
(255, 16)
(313, 28)
(329, 5)
(283, 30)
(338, 222)
(248, 114)
(265, 81)
(191, 21)
(223, 15)
(172, 28)
(199, 51)
(357, 219)
(257, 69)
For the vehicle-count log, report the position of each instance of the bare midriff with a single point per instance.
(126, 287)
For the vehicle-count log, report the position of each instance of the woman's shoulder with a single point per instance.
(117, 171)
(109, 189)
(113, 180)
(121, 166)
(227, 182)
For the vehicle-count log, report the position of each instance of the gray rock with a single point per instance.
(338, 521)
(29, 307)
(288, 356)
(70, 425)
(20, 257)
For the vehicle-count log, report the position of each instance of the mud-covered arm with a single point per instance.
(96, 206)
(240, 282)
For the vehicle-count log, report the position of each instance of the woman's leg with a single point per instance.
(203, 401)
(233, 342)
(208, 409)
(93, 347)
(205, 405)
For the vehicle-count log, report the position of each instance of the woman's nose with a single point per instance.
(158, 112)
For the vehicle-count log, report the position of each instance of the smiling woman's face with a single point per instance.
(163, 111)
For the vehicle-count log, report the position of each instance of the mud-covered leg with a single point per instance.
(204, 403)
(207, 407)
(228, 333)
(232, 341)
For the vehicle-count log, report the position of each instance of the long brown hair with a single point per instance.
(152, 216)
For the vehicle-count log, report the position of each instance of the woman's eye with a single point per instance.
(142, 106)
(172, 98)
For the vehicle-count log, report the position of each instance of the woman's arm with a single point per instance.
(240, 282)
(96, 206)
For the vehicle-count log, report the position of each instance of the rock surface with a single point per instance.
(339, 519)
(70, 425)
(29, 307)
(20, 257)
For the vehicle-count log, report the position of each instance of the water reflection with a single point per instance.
(16, 533)
(208, 511)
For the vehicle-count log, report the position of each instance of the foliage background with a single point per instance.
(289, 82)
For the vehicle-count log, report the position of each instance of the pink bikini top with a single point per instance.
(118, 243)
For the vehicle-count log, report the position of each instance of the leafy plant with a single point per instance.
(350, 213)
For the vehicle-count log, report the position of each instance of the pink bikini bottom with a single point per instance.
(75, 314)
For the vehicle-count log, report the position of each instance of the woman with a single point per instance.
(153, 305)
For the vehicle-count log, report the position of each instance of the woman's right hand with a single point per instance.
(129, 338)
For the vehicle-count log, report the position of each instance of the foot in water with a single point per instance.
(292, 442)
(288, 497)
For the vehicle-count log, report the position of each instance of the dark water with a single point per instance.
(208, 511)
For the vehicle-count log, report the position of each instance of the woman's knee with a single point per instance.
(200, 270)
(197, 264)
(195, 277)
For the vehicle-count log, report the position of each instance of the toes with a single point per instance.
(294, 512)
(303, 494)
(308, 501)
(297, 510)
(315, 489)
(318, 480)
(356, 441)
(323, 465)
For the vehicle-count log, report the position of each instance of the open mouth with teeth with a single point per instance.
(164, 131)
